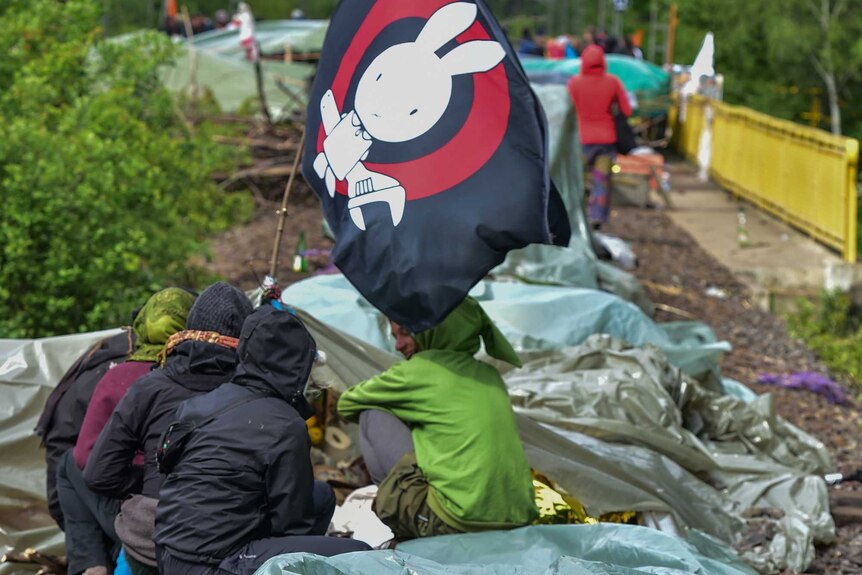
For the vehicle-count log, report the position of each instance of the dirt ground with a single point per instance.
(677, 273)
(242, 254)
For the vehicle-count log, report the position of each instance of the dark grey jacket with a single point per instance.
(146, 410)
(247, 474)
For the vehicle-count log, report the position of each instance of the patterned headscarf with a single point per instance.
(163, 315)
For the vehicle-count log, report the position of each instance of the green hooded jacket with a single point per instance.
(462, 423)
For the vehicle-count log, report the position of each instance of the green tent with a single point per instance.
(272, 35)
(636, 75)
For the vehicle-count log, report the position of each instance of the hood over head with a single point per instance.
(275, 355)
(461, 331)
(163, 315)
(593, 61)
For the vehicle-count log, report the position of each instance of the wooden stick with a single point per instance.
(255, 142)
(282, 213)
(261, 94)
(193, 65)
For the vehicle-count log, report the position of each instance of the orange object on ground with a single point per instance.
(643, 165)
(171, 8)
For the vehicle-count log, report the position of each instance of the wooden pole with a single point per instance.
(671, 34)
(261, 94)
(653, 29)
(193, 63)
(282, 212)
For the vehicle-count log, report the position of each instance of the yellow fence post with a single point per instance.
(852, 200)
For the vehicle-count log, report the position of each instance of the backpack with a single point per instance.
(174, 439)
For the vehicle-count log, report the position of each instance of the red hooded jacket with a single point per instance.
(594, 91)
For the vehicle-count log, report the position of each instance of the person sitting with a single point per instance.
(91, 541)
(242, 488)
(196, 361)
(438, 433)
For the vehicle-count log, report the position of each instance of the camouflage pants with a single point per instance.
(402, 502)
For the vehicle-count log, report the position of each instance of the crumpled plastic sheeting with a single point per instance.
(606, 477)
(621, 394)
(603, 549)
(531, 317)
(29, 370)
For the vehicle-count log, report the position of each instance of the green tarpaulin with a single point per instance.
(233, 84)
(540, 550)
(636, 75)
(273, 36)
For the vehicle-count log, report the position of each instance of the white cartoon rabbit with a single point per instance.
(403, 94)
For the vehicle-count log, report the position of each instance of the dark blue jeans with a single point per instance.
(90, 536)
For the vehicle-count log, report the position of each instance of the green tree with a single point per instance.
(775, 54)
(105, 194)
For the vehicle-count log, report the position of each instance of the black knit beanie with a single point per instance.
(221, 308)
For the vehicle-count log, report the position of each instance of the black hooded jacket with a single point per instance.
(247, 474)
(150, 405)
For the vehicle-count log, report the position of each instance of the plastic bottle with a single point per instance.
(300, 262)
(741, 229)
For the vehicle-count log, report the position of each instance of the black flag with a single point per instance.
(428, 150)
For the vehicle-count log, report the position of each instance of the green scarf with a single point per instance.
(461, 331)
(163, 315)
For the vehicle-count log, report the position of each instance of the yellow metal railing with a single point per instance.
(805, 176)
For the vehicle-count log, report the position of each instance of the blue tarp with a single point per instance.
(602, 549)
(531, 316)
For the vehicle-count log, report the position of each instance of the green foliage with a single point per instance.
(105, 193)
(831, 328)
(767, 52)
(122, 16)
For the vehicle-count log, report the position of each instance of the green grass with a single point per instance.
(831, 327)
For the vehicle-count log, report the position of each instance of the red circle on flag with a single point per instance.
(476, 141)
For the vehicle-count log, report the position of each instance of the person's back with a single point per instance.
(594, 92)
(245, 475)
(61, 420)
(462, 425)
(466, 431)
(91, 537)
(198, 360)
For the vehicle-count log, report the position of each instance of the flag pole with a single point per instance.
(282, 212)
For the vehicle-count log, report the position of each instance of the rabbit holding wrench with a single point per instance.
(401, 96)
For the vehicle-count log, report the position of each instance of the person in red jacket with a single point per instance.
(595, 93)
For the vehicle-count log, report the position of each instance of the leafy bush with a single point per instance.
(105, 193)
(831, 328)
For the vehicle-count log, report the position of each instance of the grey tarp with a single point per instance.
(645, 402)
(633, 396)
(540, 550)
(606, 476)
(29, 369)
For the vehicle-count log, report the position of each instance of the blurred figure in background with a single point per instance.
(596, 94)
